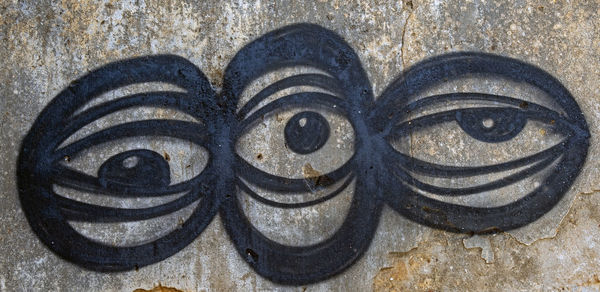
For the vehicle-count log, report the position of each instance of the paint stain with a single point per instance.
(159, 288)
(315, 177)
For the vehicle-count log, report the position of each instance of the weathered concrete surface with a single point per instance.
(47, 45)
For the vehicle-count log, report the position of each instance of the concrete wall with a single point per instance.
(46, 45)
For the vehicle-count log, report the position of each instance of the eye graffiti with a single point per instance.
(506, 119)
(306, 132)
(426, 99)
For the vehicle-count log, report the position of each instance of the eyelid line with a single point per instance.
(67, 177)
(438, 170)
(396, 131)
(317, 80)
(283, 184)
(466, 96)
(173, 128)
(458, 192)
(276, 204)
(301, 98)
(172, 99)
(79, 211)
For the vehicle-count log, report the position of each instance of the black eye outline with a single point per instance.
(313, 46)
(511, 117)
(370, 167)
(283, 184)
(518, 114)
(459, 218)
(39, 167)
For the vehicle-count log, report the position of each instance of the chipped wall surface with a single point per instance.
(46, 45)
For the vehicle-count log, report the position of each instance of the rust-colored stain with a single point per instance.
(309, 171)
(315, 176)
(593, 283)
(441, 262)
(408, 273)
(86, 31)
(159, 288)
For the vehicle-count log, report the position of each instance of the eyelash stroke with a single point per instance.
(314, 99)
(377, 173)
(39, 162)
(563, 161)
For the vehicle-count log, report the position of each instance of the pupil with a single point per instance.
(491, 125)
(306, 132)
(135, 168)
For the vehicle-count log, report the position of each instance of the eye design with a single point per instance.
(514, 191)
(437, 147)
(306, 132)
(338, 87)
(135, 168)
(138, 173)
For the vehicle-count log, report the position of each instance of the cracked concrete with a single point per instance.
(49, 44)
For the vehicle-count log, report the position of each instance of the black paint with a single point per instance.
(381, 174)
(504, 123)
(135, 168)
(306, 132)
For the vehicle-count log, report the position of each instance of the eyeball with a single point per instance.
(81, 176)
(306, 132)
(303, 96)
(469, 160)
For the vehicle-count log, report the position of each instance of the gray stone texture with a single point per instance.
(46, 45)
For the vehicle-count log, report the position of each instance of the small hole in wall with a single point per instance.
(252, 256)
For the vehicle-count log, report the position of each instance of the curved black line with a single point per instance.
(192, 132)
(244, 187)
(302, 98)
(67, 177)
(73, 210)
(166, 99)
(317, 80)
(38, 166)
(458, 218)
(381, 175)
(457, 192)
(439, 170)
